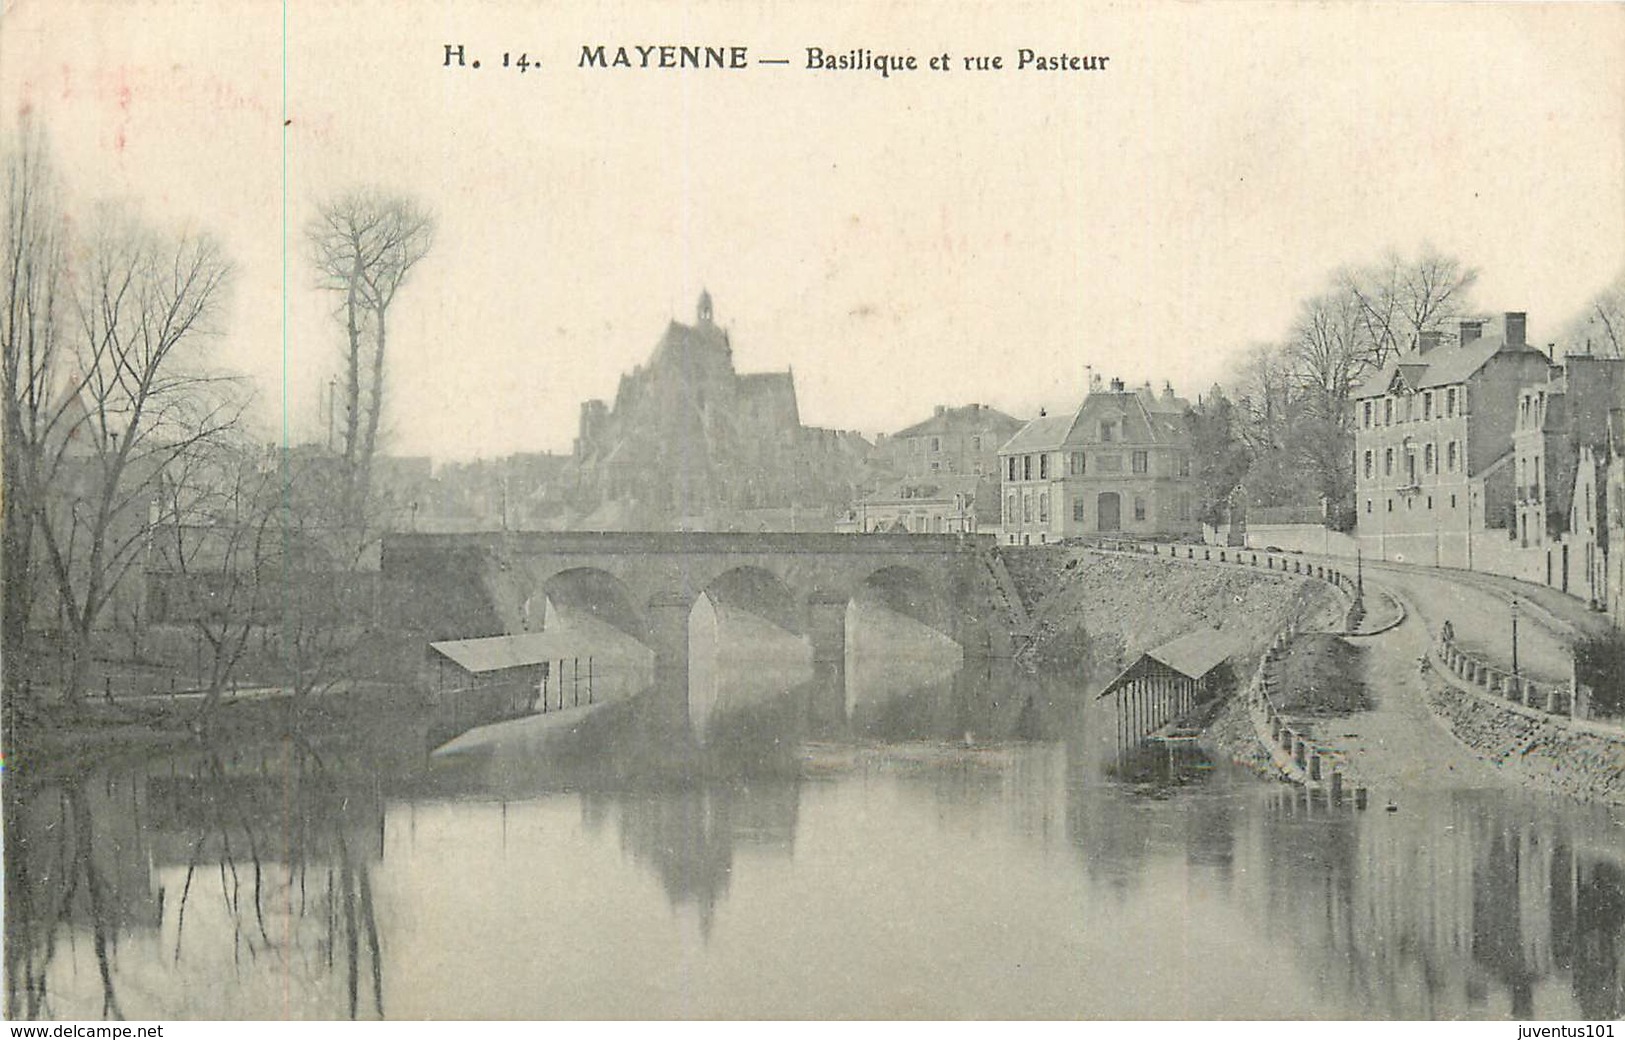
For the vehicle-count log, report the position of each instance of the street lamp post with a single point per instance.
(1359, 571)
(1514, 637)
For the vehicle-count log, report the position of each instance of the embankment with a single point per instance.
(1534, 747)
(1127, 604)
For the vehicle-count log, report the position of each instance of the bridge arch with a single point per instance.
(594, 593)
(908, 591)
(759, 591)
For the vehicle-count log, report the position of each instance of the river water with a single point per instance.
(904, 837)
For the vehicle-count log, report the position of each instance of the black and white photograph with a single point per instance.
(734, 510)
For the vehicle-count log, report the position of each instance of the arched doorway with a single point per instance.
(1109, 512)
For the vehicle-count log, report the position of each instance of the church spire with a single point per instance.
(703, 312)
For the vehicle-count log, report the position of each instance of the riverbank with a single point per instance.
(60, 738)
(1528, 746)
(1122, 605)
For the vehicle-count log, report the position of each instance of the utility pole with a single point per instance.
(1514, 637)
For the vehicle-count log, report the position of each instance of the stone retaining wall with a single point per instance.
(1572, 756)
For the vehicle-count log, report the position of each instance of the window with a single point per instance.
(1075, 464)
(935, 465)
(1027, 509)
(1185, 466)
(1010, 509)
(1450, 456)
(976, 444)
(1012, 468)
(1079, 512)
(1139, 508)
(1108, 431)
(1450, 403)
(1366, 419)
(1388, 462)
(1452, 501)
(1043, 507)
(1026, 467)
(1427, 459)
(1043, 466)
(1141, 461)
(1390, 505)
(1185, 506)
(1368, 506)
(919, 445)
(1388, 411)
(1109, 463)
(936, 443)
(1430, 501)
(1427, 405)
(1370, 463)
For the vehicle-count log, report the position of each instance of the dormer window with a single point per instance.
(1108, 431)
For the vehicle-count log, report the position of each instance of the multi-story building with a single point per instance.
(1561, 444)
(1611, 595)
(944, 505)
(1122, 463)
(1558, 419)
(954, 441)
(1433, 458)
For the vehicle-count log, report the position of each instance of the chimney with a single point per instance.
(1516, 324)
(939, 410)
(1167, 390)
(1117, 385)
(1471, 329)
(1426, 341)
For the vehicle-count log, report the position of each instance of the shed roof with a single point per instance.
(497, 653)
(1193, 655)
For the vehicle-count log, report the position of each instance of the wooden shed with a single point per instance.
(1169, 681)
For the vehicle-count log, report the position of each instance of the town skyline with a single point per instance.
(1151, 222)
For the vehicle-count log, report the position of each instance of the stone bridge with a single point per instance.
(646, 583)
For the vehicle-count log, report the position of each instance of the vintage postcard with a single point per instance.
(835, 510)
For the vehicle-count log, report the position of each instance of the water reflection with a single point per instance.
(874, 838)
(209, 875)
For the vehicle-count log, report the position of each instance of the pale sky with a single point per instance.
(932, 238)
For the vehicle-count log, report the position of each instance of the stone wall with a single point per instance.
(1575, 758)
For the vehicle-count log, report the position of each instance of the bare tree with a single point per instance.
(218, 545)
(30, 334)
(1329, 362)
(1399, 299)
(137, 402)
(366, 244)
(1601, 328)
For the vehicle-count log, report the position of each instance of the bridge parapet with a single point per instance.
(941, 579)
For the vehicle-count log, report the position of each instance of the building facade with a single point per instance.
(946, 505)
(1433, 454)
(961, 441)
(1123, 463)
